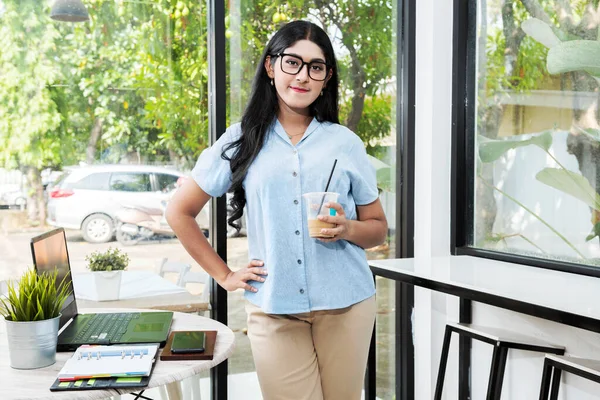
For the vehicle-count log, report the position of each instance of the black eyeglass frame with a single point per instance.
(327, 66)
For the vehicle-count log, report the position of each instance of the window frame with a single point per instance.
(464, 85)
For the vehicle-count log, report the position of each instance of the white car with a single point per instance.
(87, 198)
(11, 195)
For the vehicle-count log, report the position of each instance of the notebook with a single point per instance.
(124, 361)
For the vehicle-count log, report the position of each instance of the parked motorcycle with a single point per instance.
(136, 223)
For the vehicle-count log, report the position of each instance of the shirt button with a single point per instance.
(295, 201)
(297, 232)
(301, 291)
(294, 174)
(295, 151)
(299, 261)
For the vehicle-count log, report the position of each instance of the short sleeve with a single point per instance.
(212, 173)
(363, 176)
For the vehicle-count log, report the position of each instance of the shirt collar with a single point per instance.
(278, 128)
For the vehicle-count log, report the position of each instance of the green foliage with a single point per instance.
(571, 183)
(109, 260)
(376, 121)
(530, 73)
(363, 38)
(35, 297)
(139, 71)
(562, 179)
(28, 116)
(492, 149)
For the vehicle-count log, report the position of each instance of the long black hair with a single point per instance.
(263, 106)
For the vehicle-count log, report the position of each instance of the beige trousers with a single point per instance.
(319, 355)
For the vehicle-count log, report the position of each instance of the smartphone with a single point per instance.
(188, 342)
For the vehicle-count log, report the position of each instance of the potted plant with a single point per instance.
(31, 310)
(107, 268)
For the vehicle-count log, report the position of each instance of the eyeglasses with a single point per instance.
(292, 65)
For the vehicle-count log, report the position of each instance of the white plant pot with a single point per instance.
(32, 344)
(108, 285)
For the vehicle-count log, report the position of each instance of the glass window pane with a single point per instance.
(166, 182)
(97, 181)
(537, 132)
(364, 38)
(126, 182)
(123, 92)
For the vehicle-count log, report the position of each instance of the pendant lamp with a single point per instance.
(69, 11)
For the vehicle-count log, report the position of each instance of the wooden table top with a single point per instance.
(34, 384)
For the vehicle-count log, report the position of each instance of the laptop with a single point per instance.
(49, 251)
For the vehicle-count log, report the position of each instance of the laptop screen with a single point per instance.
(49, 251)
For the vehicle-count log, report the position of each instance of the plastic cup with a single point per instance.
(314, 203)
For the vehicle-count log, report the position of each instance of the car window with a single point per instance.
(130, 182)
(61, 179)
(166, 182)
(95, 181)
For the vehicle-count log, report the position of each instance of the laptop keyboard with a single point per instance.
(105, 328)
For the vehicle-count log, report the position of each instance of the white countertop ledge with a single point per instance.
(577, 294)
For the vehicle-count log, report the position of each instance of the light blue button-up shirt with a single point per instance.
(304, 274)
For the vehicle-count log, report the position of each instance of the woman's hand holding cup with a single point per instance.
(239, 279)
(340, 230)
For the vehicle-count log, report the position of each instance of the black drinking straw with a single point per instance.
(327, 186)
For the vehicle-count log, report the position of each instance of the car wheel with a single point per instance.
(125, 238)
(21, 203)
(97, 228)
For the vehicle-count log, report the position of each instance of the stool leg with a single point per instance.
(443, 361)
(503, 355)
(546, 380)
(493, 373)
(555, 384)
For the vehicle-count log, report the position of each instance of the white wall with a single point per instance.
(432, 238)
(432, 181)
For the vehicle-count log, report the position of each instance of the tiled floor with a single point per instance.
(241, 387)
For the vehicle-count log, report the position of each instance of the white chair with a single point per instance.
(198, 277)
(165, 266)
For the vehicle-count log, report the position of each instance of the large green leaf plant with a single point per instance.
(560, 178)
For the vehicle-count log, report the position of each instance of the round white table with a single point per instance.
(35, 383)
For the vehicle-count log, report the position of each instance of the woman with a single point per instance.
(311, 316)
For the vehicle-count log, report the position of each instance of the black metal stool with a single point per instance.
(502, 341)
(554, 365)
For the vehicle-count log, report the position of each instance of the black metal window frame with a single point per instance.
(405, 185)
(217, 125)
(464, 86)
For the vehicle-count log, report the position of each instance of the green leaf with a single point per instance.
(34, 297)
(576, 55)
(595, 232)
(492, 149)
(571, 183)
(591, 133)
(109, 260)
(541, 32)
